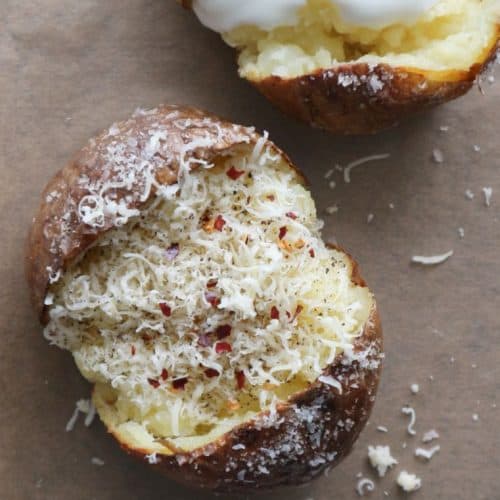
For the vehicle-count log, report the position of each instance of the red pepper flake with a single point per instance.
(234, 174)
(283, 231)
(211, 373)
(179, 383)
(240, 379)
(288, 315)
(172, 251)
(223, 331)
(204, 340)
(271, 197)
(164, 374)
(292, 215)
(147, 338)
(153, 383)
(275, 314)
(132, 350)
(212, 283)
(212, 299)
(312, 253)
(219, 223)
(165, 309)
(222, 347)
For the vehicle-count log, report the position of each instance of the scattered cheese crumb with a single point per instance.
(431, 260)
(488, 192)
(381, 459)
(332, 210)
(430, 436)
(461, 232)
(491, 79)
(473, 365)
(427, 454)
(97, 461)
(444, 128)
(328, 173)
(391, 206)
(382, 428)
(431, 378)
(370, 218)
(414, 388)
(475, 417)
(437, 155)
(361, 161)
(476, 148)
(408, 410)
(332, 184)
(82, 406)
(408, 482)
(364, 485)
(452, 360)
(404, 445)
(469, 194)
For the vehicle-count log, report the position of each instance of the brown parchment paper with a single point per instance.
(70, 68)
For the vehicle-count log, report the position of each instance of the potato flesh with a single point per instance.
(109, 302)
(452, 36)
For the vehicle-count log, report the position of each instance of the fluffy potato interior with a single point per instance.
(453, 35)
(218, 302)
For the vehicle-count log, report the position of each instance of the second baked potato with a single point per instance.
(360, 66)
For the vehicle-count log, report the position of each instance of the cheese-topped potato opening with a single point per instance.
(451, 35)
(217, 302)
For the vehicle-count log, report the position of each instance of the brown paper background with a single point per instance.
(70, 68)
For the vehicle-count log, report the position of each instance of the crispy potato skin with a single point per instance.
(358, 99)
(312, 431)
(316, 427)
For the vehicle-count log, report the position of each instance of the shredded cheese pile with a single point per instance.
(215, 302)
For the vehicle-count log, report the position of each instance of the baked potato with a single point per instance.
(356, 67)
(178, 257)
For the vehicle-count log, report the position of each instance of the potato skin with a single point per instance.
(314, 430)
(357, 98)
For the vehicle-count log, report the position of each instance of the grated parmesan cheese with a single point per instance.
(409, 482)
(427, 454)
(106, 308)
(408, 410)
(361, 161)
(488, 193)
(381, 459)
(430, 436)
(431, 260)
(364, 485)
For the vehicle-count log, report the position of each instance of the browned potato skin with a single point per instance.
(320, 100)
(216, 465)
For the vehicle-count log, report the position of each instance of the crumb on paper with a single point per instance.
(382, 428)
(476, 148)
(409, 482)
(461, 232)
(427, 453)
(97, 461)
(408, 410)
(444, 128)
(414, 388)
(432, 260)
(430, 435)
(332, 184)
(475, 417)
(84, 406)
(369, 218)
(361, 161)
(469, 194)
(488, 193)
(381, 459)
(437, 155)
(364, 485)
(333, 209)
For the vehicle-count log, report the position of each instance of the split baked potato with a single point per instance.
(178, 257)
(352, 79)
